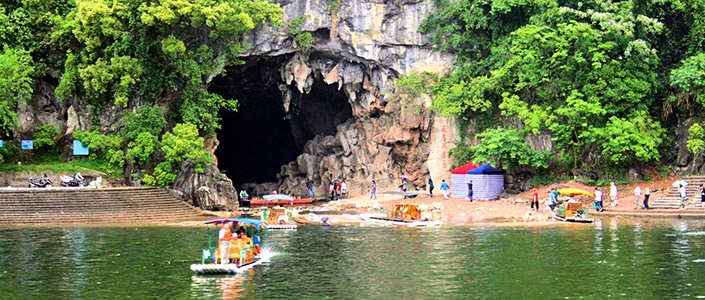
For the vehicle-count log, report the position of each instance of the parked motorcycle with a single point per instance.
(43, 182)
(76, 180)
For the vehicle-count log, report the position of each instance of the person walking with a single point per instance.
(647, 194)
(552, 198)
(444, 189)
(373, 195)
(598, 200)
(702, 196)
(613, 194)
(637, 195)
(309, 187)
(535, 199)
(430, 186)
(469, 183)
(681, 188)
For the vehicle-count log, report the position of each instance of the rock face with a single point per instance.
(211, 190)
(362, 47)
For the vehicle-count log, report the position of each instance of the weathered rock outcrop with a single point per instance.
(362, 47)
(211, 190)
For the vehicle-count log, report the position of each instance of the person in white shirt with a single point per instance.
(613, 194)
(683, 196)
(598, 200)
(637, 194)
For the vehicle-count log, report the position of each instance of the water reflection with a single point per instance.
(631, 258)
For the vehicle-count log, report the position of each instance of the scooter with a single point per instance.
(36, 182)
(75, 181)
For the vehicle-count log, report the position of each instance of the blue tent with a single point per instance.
(486, 170)
(487, 183)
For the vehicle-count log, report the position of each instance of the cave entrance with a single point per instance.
(262, 136)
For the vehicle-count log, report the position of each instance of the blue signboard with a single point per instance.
(79, 148)
(1, 144)
(27, 144)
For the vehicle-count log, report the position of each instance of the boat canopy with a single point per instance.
(254, 222)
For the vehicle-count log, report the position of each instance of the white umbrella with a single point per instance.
(680, 182)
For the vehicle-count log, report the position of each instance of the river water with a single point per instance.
(611, 258)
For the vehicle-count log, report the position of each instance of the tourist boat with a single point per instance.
(573, 212)
(279, 218)
(243, 253)
(403, 215)
(273, 200)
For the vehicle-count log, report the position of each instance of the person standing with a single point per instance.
(430, 186)
(444, 189)
(331, 190)
(338, 190)
(224, 236)
(309, 187)
(402, 186)
(343, 189)
(535, 199)
(637, 195)
(469, 183)
(681, 188)
(373, 195)
(702, 196)
(598, 200)
(613, 194)
(647, 194)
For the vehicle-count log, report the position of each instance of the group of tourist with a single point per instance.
(227, 237)
(338, 190)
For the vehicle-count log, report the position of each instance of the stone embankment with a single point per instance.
(88, 206)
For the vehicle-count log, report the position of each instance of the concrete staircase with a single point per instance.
(673, 198)
(85, 206)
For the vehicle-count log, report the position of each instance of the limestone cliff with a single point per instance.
(362, 47)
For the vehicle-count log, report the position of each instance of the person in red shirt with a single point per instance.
(535, 199)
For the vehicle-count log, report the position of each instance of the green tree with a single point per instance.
(625, 141)
(44, 138)
(183, 143)
(566, 67)
(16, 72)
(105, 148)
(689, 80)
(695, 142)
(505, 148)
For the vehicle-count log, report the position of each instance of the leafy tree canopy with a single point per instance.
(585, 71)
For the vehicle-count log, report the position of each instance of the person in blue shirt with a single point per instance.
(444, 189)
(552, 198)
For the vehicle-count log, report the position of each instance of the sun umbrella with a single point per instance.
(680, 182)
(573, 191)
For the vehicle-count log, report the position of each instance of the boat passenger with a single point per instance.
(224, 237)
(571, 199)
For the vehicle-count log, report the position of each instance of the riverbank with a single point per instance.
(514, 210)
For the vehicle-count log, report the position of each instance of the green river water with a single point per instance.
(611, 258)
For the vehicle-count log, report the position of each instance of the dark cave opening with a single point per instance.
(260, 137)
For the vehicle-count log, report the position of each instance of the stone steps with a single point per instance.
(672, 199)
(91, 206)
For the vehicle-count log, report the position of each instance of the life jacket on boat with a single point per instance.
(256, 250)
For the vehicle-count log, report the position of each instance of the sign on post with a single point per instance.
(79, 148)
(27, 144)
